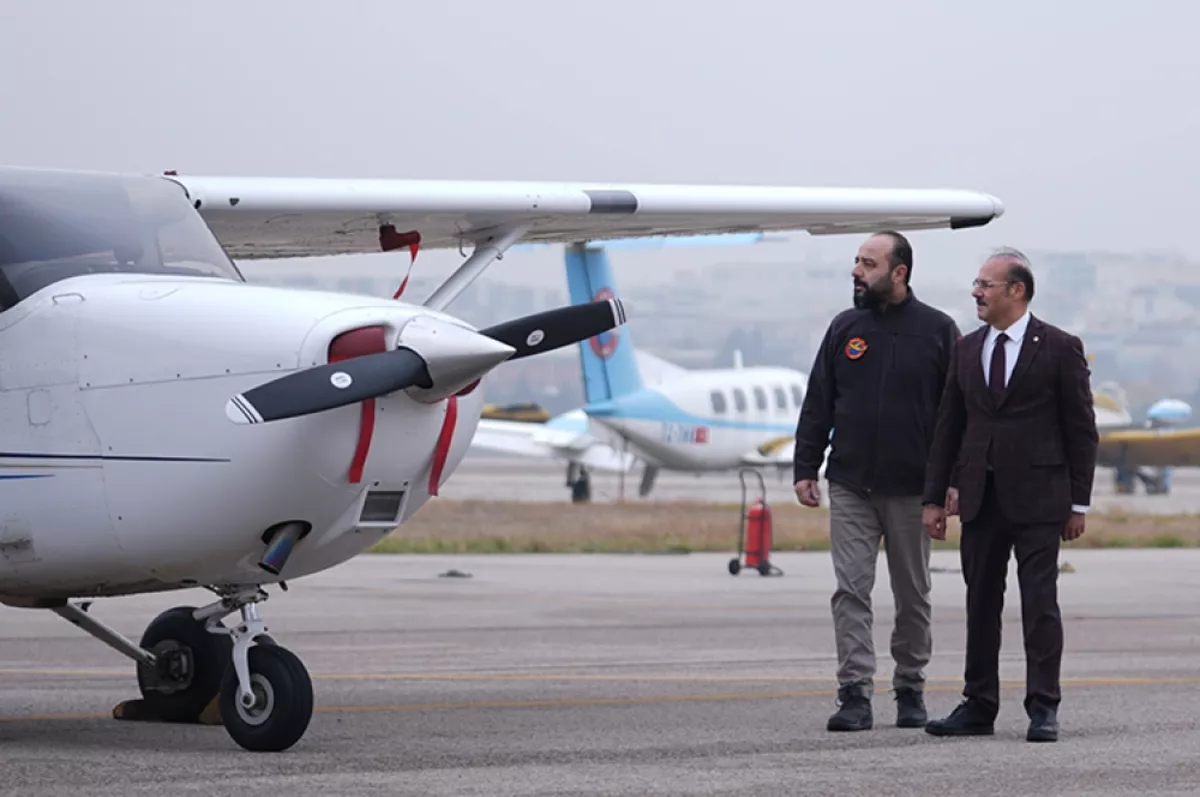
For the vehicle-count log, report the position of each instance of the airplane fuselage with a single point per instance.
(707, 420)
(120, 471)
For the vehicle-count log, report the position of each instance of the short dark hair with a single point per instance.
(1019, 269)
(1018, 272)
(901, 253)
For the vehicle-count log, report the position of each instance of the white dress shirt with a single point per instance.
(1012, 348)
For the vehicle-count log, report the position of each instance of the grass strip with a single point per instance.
(476, 527)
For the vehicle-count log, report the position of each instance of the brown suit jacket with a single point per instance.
(1042, 434)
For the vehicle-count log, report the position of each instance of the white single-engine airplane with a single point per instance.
(164, 425)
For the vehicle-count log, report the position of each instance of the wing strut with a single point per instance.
(487, 250)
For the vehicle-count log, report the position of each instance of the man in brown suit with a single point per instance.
(1016, 434)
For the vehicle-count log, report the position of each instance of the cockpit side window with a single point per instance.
(55, 226)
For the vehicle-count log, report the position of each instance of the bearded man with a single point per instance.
(875, 384)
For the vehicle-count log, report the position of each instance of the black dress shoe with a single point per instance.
(970, 718)
(1043, 727)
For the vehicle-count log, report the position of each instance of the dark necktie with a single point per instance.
(996, 375)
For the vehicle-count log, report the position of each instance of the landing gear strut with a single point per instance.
(1156, 481)
(265, 698)
(580, 482)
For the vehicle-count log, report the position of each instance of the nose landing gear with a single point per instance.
(266, 698)
(274, 713)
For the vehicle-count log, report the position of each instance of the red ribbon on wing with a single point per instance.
(390, 240)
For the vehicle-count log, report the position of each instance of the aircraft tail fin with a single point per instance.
(1111, 405)
(608, 360)
(1110, 396)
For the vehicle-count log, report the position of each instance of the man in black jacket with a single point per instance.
(875, 384)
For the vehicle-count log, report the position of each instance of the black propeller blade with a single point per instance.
(553, 329)
(325, 387)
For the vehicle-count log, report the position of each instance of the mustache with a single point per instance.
(859, 283)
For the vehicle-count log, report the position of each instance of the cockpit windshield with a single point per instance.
(57, 225)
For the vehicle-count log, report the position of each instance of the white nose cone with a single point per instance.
(454, 356)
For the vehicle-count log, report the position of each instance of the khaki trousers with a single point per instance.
(857, 525)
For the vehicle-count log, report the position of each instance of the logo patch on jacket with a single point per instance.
(856, 348)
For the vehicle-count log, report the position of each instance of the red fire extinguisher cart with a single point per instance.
(754, 535)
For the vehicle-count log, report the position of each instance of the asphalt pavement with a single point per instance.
(646, 675)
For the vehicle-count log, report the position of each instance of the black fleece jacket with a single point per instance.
(875, 384)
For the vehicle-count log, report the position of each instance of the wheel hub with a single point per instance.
(173, 669)
(261, 704)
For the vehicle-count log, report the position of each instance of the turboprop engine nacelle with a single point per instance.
(1169, 412)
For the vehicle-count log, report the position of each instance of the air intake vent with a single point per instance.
(381, 506)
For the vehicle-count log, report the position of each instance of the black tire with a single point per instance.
(284, 704)
(735, 565)
(581, 490)
(206, 655)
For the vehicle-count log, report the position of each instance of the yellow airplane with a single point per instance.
(525, 411)
(1143, 451)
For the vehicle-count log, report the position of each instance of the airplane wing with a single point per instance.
(777, 453)
(262, 217)
(1138, 446)
(566, 438)
(1150, 447)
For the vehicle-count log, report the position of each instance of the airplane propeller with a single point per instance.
(562, 326)
(456, 358)
(326, 387)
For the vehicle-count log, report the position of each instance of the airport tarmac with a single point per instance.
(496, 477)
(639, 675)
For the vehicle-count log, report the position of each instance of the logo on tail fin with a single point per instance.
(604, 344)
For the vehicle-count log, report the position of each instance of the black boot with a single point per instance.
(855, 712)
(910, 708)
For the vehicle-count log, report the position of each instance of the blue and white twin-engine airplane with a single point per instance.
(639, 407)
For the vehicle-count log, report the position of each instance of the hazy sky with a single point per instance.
(1080, 114)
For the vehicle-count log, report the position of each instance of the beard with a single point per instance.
(870, 297)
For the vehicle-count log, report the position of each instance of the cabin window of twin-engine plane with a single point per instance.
(739, 399)
(780, 398)
(59, 226)
(760, 398)
(718, 402)
(797, 396)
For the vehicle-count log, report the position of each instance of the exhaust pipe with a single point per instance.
(281, 541)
